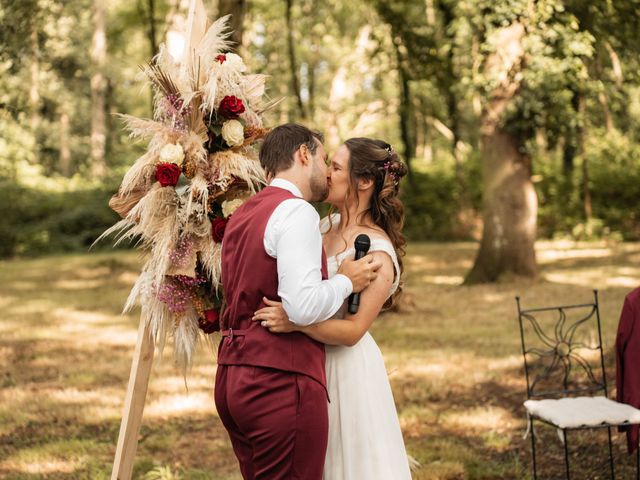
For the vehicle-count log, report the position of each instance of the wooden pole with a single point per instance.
(134, 404)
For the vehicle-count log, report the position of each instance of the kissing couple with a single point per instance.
(301, 386)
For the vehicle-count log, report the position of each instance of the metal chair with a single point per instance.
(566, 381)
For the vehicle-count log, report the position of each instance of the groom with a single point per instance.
(270, 390)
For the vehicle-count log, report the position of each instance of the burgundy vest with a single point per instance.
(248, 274)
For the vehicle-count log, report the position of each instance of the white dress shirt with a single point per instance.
(293, 238)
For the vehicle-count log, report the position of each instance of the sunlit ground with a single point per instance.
(454, 362)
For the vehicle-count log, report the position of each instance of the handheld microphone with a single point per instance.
(361, 244)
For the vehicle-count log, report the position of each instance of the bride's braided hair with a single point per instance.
(376, 160)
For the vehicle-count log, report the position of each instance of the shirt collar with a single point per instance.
(287, 185)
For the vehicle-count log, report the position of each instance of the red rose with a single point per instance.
(231, 107)
(217, 229)
(168, 174)
(211, 321)
(221, 58)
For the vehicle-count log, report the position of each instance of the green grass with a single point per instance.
(453, 357)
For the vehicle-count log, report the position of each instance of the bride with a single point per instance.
(365, 441)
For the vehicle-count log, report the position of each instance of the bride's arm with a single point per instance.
(346, 331)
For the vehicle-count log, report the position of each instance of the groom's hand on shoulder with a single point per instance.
(361, 272)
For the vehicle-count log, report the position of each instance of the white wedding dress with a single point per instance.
(365, 441)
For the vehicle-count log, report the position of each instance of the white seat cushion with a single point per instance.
(582, 412)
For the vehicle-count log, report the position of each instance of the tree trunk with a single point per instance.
(64, 159)
(152, 35)
(602, 97)
(608, 119)
(509, 199)
(295, 81)
(586, 191)
(237, 9)
(312, 89)
(98, 90)
(111, 112)
(568, 156)
(509, 211)
(446, 87)
(314, 59)
(457, 151)
(588, 210)
(405, 114)
(420, 130)
(405, 121)
(149, 13)
(570, 148)
(428, 148)
(34, 89)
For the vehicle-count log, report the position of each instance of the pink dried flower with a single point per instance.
(178, 292)
(182, 252)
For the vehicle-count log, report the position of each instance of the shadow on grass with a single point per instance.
(455, 364)
(64, 449)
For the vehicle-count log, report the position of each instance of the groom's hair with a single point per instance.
(281, 144)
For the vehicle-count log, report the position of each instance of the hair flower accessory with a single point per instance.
(391, 169)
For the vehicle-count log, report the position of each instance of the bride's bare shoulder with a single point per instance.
(374, 233)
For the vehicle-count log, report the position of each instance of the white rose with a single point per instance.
(233, 133)
(230, 206)
(235, 62)
(172, 153)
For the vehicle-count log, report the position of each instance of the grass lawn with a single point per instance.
(454, 362)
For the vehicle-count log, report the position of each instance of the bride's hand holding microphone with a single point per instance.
(361, 272)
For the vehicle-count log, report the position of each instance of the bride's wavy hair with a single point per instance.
(377, 161)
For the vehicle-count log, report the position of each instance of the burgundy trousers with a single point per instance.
(277, 421)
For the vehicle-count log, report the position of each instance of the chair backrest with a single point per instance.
(562, 349)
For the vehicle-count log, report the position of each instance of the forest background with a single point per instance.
(520, 115)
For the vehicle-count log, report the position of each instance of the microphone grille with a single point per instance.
(362, 242)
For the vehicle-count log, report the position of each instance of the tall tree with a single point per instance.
(586, 189)
(448, 84)
(148, 12)
(237, 9)
(509, 198)
(34, 90)
(98, 90)
(293, 64)
(543, 95)
(405, 110)
(411, 44)
(64, 156)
